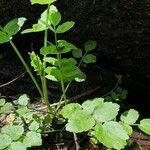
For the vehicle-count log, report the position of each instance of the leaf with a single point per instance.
(32, 139)
(14, 131)
(53, 61)
(13, 26)
(77, 53)
(36, 63)
(65, 47)
(42, 2)
(2, 102)
(65, 27)
(80, 121)
(17, 146)
(4, 37)
(111, 134)
(22, 111)
(127, 128)
(145, 126)
(5, 141)
(55, 18)
(23, 100)
(34, 126)
(130, 117)
(6, 108)
(50, 49)
(89, 58)
(90, 105)
(90, 45)
(69, 109)
(106, 112)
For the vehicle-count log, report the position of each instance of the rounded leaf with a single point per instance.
(14, 131)
(80, 121)
(55, 18)
(77, 53)
(145, 126)
(7, 107)
(130, 117)
(89, 58)
(34, 126)
(23, 100)
(17, 146)
(5, 141)
(2, 102)
(90, 45)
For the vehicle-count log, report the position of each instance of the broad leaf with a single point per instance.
(89, 58)
(127, 128)
(14, 131)
(32, 139)
(17, 146)
(106, 112)
(2, 102)
(50, 49)
(55, 18)
(42, 2)
(65, 27)
(4, 37)
(80, 121)
(130, 117)
(77, 53)
(69, 109)
(5, 141)
(34, 126)
(23, 100)
(13, 26)
(111, 134)
(145, 126)
(90, 45)
(7, 107)
(90, 105)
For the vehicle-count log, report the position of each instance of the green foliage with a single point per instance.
(23, 100)
(42, 2)
(5, 141)
(145, 126)
(5, 107)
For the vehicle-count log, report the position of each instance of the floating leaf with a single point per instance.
(5, 141)
(106, 112)
(89, 58)
(77, 53)
(111, 134)
(32, 139)
(130, 117)
(69, 109)
(65, 27)
(23, 100)
(80, 121)
(145, 126)
(90, 105)
(17, 146)
(14, 131)
(90, 45)
(42, 2)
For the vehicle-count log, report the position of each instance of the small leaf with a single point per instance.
(130, 117)
(50, 49)
(6, 108)
(55, 18)
(90, 105)
(22, 111)
(89, 58)
(69, 109)
(106, 112)
(23, 100)
(145, 126)
(5, 141)
(53, 61)
(32, 139)
(4, 37)
(17, 146)
(2, 102)
(111, 134)
(127, 128)
(90, 45)
(80, 121)
(65, 27)
(14, 131)
(77, 53)
(34, 126)
(42, 2)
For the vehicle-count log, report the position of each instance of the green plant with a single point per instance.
(98, 118)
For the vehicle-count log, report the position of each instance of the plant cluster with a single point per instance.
(23, 126)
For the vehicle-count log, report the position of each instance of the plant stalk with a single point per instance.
(26, 66)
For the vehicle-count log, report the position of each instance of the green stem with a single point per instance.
(27, 68)
(59, 65)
